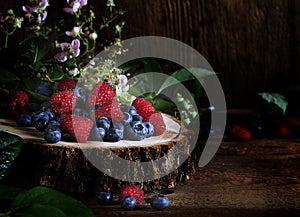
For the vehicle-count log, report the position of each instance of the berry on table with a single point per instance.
(103, 198)
(66, 84)
(52, 135)
(101, 93)
(138, 131)
(133, 191)
(19, 103)
(156, 119)
(103, 122)
(78, 127)
(112, 135)
(110, 110)
(44, 88)
(160, 202)
(239, 133)
(24, 120)
(142, 106)
(128, 203)
(63, 102)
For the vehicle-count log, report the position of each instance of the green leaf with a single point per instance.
(10, 147)
(38, 48)
(7, 76)
(9, 193)
(185, 75)
(276, 99)
(163, 105)
(30, 84)
(38, 210)
(56, 72)
(151, 65)
(37, 199)
(38, 97)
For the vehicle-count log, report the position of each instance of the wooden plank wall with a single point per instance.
(253, 45)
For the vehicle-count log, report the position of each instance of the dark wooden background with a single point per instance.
(253, 45)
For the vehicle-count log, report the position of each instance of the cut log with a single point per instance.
(67, 166)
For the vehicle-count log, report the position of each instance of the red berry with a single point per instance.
(293, 123)
(22, 94)
(66, 84)
(19, 103)
(110, 110)
(283, 130)
(63, 102)
(142, 106)
(77, 126)
(133, 191)
(240, 133)
(101, 93)
(156, 119)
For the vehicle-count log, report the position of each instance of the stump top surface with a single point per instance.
(30, 134)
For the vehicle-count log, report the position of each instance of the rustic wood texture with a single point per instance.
(256, 178)
(252, 45)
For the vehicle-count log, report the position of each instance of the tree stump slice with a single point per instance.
(65, 167)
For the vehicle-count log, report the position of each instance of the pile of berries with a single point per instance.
(131, 196)
(86, 116)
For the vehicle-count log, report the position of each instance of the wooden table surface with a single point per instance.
(256, 178)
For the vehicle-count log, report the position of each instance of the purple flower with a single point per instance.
(61, 57)
(75, 31)
(123, 80)
(75, 5)
(68, 50)
(41, 6)
(75, 45)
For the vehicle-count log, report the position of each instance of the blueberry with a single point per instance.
(24, 120)
(160, 202)
(40, 121)
(51, 115)
(137, 117)
(132, 110)
(138, 131)
(112, 135)
(33, 107)
(53, 124)
(59, 117)
(52, 135)
(128, 203)
(119, 129)
(103, 122)
(127, 118)
(46, 106)
(150, 129)
(44, 88)
(80, 93)
(104, 198)
(97, 134)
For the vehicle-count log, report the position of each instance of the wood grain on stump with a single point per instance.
(66, 166)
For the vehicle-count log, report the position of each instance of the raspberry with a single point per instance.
(240, 133)
(110, 110)
(156, 119)
(66, 84)
(102, 93)
(142, 106)
(133, 191)
(19, 103)
(78, 127)
(293, 123)
(63, 102)
(283, 130)
(22, 94)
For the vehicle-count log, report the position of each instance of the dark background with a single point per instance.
(253, 45)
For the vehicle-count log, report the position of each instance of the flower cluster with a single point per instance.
(63, 49)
